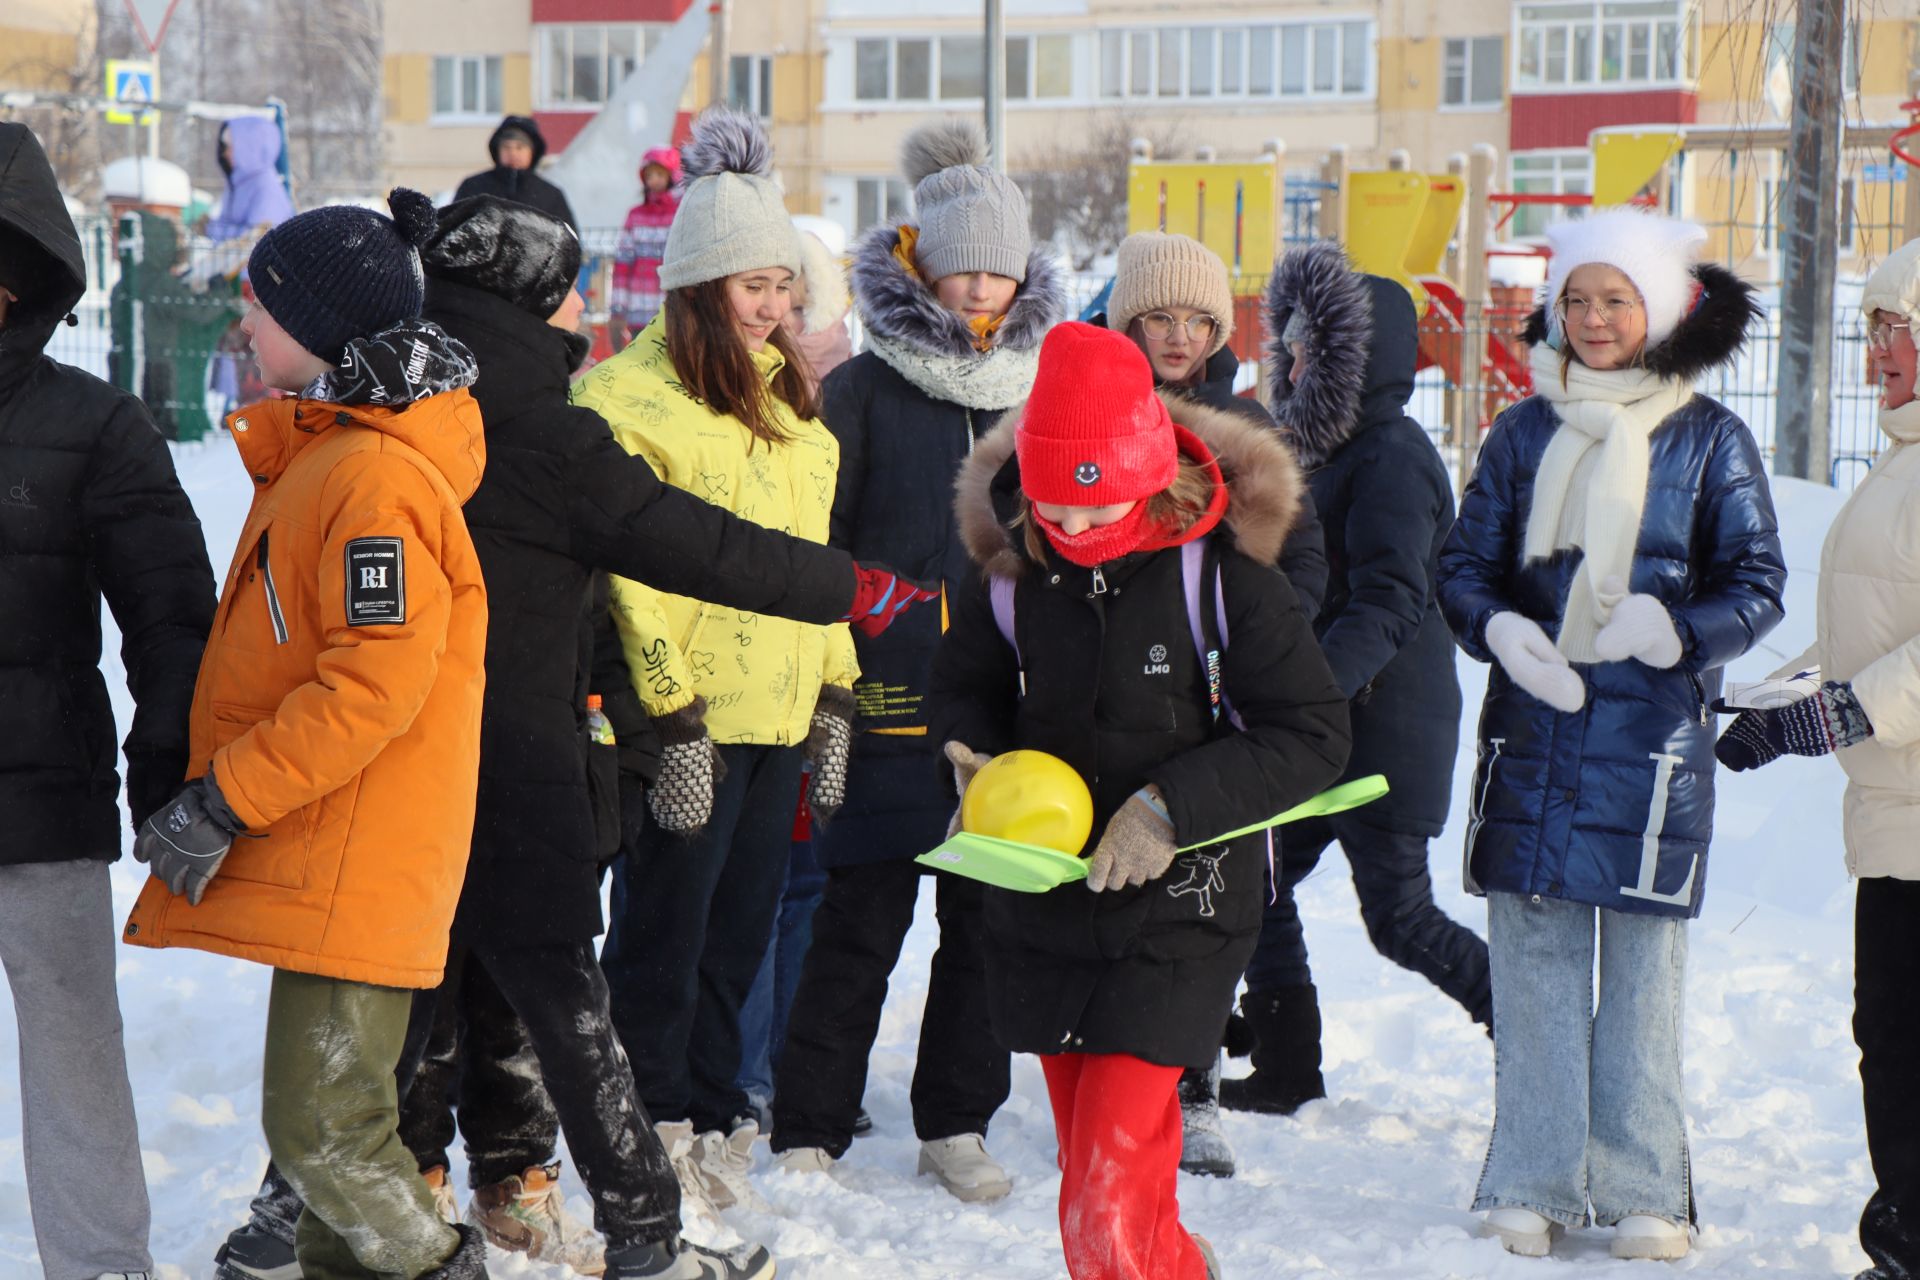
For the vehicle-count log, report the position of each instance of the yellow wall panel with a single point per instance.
(36, 59)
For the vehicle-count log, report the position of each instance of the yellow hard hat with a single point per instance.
(1030, 797)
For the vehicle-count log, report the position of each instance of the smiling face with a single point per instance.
(1895, 360)
(976, 294)
(1077, 520)
(285, 365)
(760, 300)
(1605, 317)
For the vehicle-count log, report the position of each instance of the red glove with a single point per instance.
(880, 596)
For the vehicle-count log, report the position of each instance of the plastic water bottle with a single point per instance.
(599, 728)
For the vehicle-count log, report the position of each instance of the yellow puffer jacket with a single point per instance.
(760, 675)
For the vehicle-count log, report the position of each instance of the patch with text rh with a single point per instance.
(376, 582)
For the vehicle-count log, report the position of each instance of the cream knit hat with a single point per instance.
(732, 217)
(1657, 253)
(1160, 270)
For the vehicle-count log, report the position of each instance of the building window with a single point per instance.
(583, 65)
(1612, 42)
(1555, 173)
(880, 202)
(954, 68)
(750, 84)
(1294, 60)
(1473, 71)
(466, 89)
(1039, 67)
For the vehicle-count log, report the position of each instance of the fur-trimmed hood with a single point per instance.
(1707, 337)
(1362, 334)
(1263, 487)
(900, 307)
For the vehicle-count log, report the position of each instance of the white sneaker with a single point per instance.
(526, 1214)
(804, 1160)
(965, 1169)
(1641, 1235)
(700, 1220)
(725, 1160)
(1523, 1231)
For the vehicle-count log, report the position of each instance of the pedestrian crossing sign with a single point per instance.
(131, 81)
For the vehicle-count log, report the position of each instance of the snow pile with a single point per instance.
(1372, 1184)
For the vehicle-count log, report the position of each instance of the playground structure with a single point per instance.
(1442, 237)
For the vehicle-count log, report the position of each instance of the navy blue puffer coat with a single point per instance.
(1612, 805)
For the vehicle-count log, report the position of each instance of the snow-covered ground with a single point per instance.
(1372, 1183)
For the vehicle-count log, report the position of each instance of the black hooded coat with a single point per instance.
(89, 507)
(523, 186)
(1386, 506)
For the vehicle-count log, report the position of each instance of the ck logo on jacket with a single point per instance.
(20, 494)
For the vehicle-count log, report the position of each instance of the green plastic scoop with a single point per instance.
(1029, 868)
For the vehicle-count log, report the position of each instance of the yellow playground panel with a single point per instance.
(1626, 162)
(1399, 223)
(1234, 208)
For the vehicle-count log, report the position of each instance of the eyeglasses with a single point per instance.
(1575, 310)
(1160, 326)
(1881, 335)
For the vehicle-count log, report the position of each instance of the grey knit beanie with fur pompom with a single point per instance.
(732, 217)
(971, 217)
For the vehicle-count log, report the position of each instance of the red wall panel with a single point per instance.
(609, 10)
(1565, 119)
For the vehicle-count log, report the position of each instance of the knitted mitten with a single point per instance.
(829, 741)
(1137, 845)
(1816, 726)
(1640, 628)
(966, 762)
(1531, 661)
(681, 798)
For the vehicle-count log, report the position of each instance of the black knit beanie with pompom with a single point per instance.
(333, 274)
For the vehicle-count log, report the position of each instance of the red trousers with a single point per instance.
(1118, 1120)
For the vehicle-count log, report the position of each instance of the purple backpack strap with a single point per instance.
(1193, 559)
(1000, 595)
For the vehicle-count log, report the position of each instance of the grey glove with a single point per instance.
(681, 797)
(829, 742)
(966, 762)
(187, 840)
(1137, 845)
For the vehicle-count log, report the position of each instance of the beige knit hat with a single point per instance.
(1160, 270)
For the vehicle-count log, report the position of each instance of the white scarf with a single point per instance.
(995, 379)
(1614, 411)
(1902, 425)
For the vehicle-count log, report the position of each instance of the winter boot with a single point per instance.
(862, 1124)
(1524, 1232)
(669, 1260)
(469, 1261)
(964, 1168)
(525, 1214)
(1208, 1256)
(804, 1160)
(443, 1202)
(724, 1161)
(1286, 1061)
(1203, 1148)
(700, 1220)
(1641, 1235)
(252, 1253)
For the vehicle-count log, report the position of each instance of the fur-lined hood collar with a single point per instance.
(896, 305)
(1263, 487)
(1706, 338)
(1362, 334)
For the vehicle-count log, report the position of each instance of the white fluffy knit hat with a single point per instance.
(732, 217)
(1657, 253)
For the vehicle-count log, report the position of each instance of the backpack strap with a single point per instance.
(1000, 596)
(1207, 617)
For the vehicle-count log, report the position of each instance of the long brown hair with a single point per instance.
(707, 350)
(1178, 506)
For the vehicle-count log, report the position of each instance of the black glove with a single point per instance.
(829, 742)
(185, 843)
(1815, 726)
(681, 798)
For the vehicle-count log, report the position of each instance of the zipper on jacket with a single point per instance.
(1699, 697)
(273, 596)
(1099, 581)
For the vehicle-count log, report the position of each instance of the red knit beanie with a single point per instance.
(1094, 434)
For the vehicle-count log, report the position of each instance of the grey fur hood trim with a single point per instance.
(726, 141)
(1263, 486)
(899, 306)
(1321, 413)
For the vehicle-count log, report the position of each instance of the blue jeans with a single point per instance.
(1587, 1098)
(763, 1018)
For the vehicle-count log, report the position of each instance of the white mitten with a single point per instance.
(1531, 661)
(1640, 628)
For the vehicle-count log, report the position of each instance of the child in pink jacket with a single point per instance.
(636, 261)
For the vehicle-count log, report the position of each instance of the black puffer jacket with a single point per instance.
(1386, 506)
(1304, 560)
(1114, 687)
(524, 186)
(89, 507)
(901, 443)
(561, 498)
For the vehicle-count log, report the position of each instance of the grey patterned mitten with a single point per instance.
(829, 742)
(681, 798)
